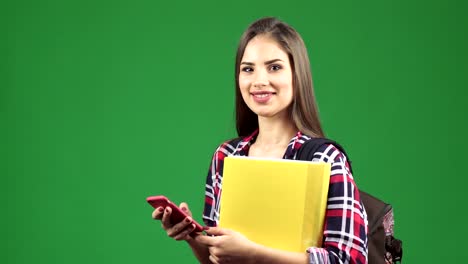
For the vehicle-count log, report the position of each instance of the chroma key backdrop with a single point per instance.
(103, 103)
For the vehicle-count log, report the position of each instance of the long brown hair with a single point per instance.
(303, 110)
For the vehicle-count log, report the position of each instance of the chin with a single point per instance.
(261, 112)
(265, 114)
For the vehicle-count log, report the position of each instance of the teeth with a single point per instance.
(261, 95)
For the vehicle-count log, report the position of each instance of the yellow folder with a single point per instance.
(274, 202)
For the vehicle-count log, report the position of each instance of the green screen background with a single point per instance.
(103, 103)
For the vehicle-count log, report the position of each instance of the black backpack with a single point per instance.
(382, 248)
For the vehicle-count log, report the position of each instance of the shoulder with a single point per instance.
(334, 154)
(329, 153)
(319, 149)
(228, 147)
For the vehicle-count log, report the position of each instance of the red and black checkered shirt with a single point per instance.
(345, 230)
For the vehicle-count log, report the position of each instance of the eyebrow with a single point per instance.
(266, 62)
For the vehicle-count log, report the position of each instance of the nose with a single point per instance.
(260, 79)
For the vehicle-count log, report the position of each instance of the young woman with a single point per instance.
(276, 113)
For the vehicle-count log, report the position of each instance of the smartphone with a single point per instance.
(177, 214)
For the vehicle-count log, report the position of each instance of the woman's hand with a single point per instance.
(228, 246)
(178, 231)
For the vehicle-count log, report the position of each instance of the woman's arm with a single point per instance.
(345, 230)
(182, 230)
(228, 246)
(266, 255)
(200, 251)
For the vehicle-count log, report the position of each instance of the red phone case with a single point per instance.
(177, 214)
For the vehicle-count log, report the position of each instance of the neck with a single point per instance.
(274, 131)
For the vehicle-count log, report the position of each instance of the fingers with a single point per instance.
(217, 231)
(214, 259)
(178, 231)
(212, 251)
(206, 240)
(179, 227)
(158, 213)
(185, 233)
(185, 208)
(166, 218)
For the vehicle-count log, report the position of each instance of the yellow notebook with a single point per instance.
(274, 202)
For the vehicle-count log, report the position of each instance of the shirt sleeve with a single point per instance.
(345, 230)
(213, 185)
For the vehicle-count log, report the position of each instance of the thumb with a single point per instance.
(218, 231)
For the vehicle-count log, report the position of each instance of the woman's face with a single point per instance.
(265, 78)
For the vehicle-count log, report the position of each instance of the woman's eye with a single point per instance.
(275, 67)
(247, 69)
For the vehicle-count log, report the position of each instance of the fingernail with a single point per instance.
(160, 209)
(167, 210)
(184, 209)
(188, 220)
(206, 227)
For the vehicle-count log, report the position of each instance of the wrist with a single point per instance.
(256, 254)
(191, 241)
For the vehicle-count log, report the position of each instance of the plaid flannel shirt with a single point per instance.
(345, 230)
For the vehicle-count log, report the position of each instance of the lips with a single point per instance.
(262, 96)
(261, 93)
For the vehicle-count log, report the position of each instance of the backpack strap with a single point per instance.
(308, 149)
